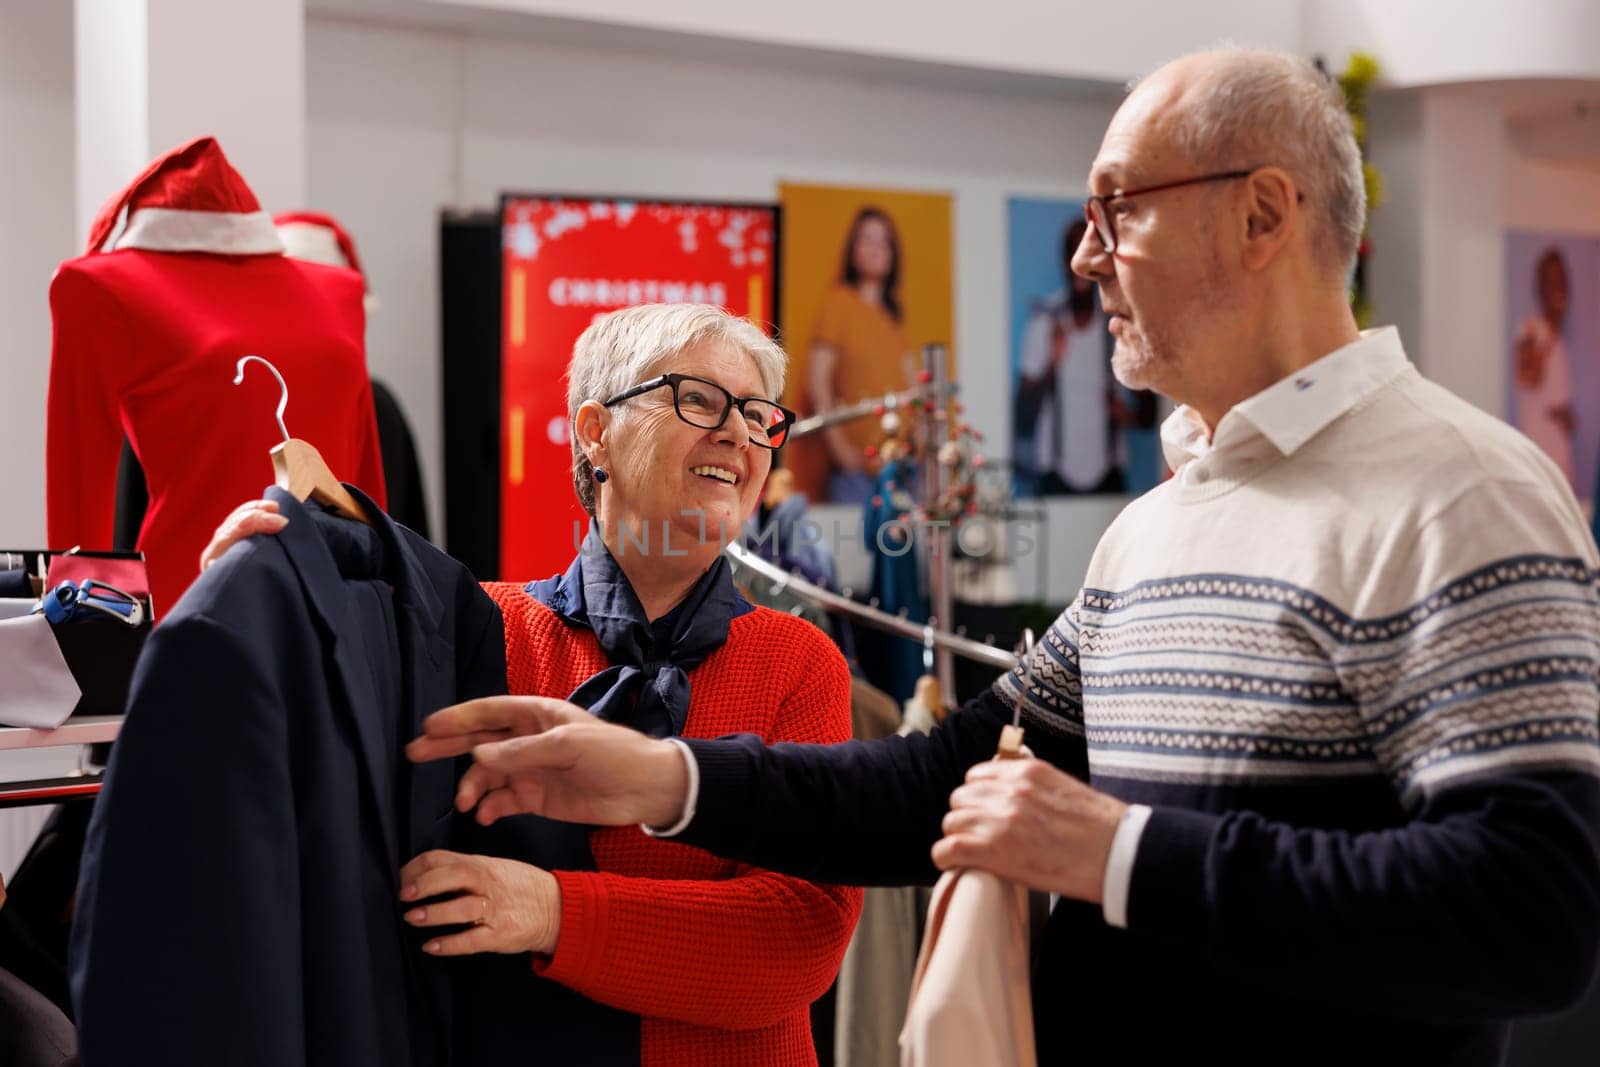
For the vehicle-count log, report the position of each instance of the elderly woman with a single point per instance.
(606, 945)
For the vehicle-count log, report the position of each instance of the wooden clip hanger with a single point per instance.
(298, 467)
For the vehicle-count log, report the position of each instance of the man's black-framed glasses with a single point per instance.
(1098, 211)
(706, 404)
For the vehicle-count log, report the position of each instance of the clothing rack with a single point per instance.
(932, 484)
(935, 389)
(749, 566)
(862, 408)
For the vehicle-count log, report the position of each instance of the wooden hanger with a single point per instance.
(1011, 746)
(298, 467)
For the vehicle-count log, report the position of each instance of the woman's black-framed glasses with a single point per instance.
(706, 404)
(1097, 211)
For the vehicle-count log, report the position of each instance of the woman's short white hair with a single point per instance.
(1256, 107)
(625, 347)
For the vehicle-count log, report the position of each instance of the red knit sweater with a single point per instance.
(721, 960)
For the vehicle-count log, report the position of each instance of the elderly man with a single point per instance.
(1332, 688)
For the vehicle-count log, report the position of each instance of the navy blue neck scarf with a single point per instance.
(647, 685)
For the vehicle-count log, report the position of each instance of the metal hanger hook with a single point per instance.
(1025, 667)
(283, 397)
(927, 647)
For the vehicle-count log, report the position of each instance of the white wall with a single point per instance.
(1464, 164)
(403, 122)
(1434, 42)
(1079, 39)
(36, 219)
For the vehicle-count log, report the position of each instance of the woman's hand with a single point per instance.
(512, 907)
(248, 519)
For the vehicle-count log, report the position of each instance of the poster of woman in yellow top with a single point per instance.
(866, 283)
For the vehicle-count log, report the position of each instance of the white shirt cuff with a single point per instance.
(690, 799)
(1119, 865)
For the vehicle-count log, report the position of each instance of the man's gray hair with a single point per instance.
(1257, 107)
(625, 347)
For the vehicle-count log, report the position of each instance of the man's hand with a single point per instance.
(552, 758)
(1032, 824)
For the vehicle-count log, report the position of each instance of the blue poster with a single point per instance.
(1074, 428)
(1552, 346)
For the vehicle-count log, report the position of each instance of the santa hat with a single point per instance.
(315, 236)
(189, 200)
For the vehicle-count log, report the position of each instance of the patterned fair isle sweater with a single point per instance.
(720, 959)
(1350, 660)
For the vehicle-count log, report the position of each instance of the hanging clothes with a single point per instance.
(971, 997)
(896, 574)
(875, 977)
(239, 897)
(185, 274)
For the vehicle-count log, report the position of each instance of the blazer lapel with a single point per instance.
(325, 596)
(430, 682)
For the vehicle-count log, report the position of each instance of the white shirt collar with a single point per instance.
(1290, 412)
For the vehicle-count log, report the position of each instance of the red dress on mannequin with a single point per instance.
(184, 276)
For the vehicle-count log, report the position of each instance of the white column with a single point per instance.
(152, 74)
(1465, 149)
(1395, 269)
(1438, 238)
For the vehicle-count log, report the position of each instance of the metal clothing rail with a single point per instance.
(862, 408)
(743, 559)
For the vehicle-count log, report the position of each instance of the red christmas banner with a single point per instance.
(566, 262)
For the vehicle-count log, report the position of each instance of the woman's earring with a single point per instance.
(600, 475)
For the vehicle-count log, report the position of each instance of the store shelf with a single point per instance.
(84, 730)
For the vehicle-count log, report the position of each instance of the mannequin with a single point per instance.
(183, 275)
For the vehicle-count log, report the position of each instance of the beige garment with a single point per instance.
(971, 1000)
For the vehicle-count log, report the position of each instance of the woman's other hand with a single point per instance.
(248, 519)
(507, 906)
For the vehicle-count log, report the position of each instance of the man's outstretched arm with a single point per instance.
(863, 812)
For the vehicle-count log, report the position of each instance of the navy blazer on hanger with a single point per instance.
(239, 897)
